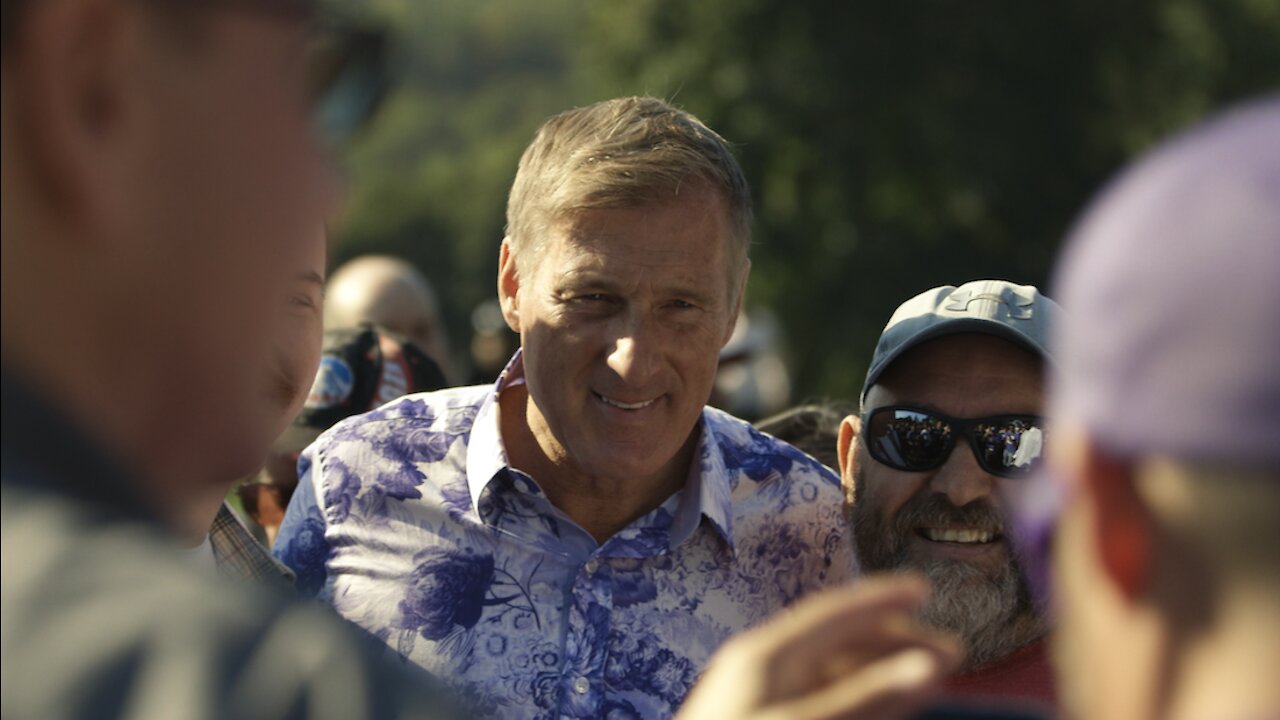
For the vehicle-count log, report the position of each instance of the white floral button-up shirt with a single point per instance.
(410, 522)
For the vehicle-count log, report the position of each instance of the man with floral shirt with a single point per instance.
(577, 539)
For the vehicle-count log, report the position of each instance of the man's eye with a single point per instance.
(682, 305)
(302, 301)
(593, 298)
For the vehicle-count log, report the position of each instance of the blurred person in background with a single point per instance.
(813, 428)
(361, 368)
(492, 342)
(577, 539)
(392, 294)
(1165, 470)
(752, 380)
(161, 173)
(951, 412)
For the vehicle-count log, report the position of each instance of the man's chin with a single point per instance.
(989, 609)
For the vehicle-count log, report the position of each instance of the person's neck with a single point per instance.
(66, 355)
(601, 505)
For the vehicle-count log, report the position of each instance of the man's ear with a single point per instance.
(1124, 524)
(737, 306)
(509, 286)
(847, 449)
(71, 60)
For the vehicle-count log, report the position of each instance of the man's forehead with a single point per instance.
(596, 237)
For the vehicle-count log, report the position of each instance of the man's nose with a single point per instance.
(961, 479)
(634, 356)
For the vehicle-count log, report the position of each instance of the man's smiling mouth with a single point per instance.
(624, 405)
(958, 535)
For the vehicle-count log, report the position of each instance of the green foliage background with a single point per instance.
(891, 146)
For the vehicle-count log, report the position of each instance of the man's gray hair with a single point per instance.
(623, 152)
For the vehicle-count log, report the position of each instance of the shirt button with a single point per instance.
(581, 685)
(592, 567)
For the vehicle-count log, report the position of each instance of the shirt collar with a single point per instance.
(486, 454)
(707, 492)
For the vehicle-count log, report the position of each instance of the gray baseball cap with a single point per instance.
(1017, 313)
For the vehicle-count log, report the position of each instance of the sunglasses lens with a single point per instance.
(908, 439)
(1010, 448)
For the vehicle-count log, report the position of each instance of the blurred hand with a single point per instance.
(853, 653)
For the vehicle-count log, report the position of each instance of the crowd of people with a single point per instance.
(1036, 507)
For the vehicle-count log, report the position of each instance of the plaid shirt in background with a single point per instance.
(240, 556)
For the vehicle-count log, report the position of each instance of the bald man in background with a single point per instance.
(392, 293)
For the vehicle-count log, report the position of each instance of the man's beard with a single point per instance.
(991, 610)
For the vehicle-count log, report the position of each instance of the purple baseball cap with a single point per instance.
(1171, 281)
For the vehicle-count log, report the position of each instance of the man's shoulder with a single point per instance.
(787, 508)
(104, 618)
(452, 410)
(753, 455)
(52, 545)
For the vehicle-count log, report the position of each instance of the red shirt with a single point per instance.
(1024, 677)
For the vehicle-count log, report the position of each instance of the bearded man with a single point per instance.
(951, 411)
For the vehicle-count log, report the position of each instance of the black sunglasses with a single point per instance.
(916, 440)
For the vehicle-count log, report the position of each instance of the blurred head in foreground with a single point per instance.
(164, 194)
(1165, 478)
(152, 225)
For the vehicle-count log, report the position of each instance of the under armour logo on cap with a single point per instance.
(1014, 306)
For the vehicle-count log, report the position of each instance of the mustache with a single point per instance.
(935, 510)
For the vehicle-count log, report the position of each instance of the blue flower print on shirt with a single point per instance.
(449, 590)
(341, 491)
(514, 498)
(619, 709)
(667, 676)
(455, 496)
(399, 485)
(631, 584)
(446, 591)
(628, 654)
(534, 673)
(546, 690)
(776, 561)
(306, 553)
(408, 406)
(759, 458)
(416, 444)
(638, 663)
(461, 418)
